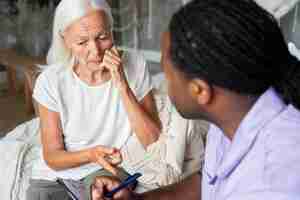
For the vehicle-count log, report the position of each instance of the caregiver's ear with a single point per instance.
(200, 90)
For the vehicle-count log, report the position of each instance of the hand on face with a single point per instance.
(112, 61)
(107, 157)
(103, 183)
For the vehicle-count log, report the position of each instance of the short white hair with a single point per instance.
(67, 12)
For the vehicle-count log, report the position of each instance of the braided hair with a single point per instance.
(235, 45)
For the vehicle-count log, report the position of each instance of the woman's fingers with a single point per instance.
(115, 50)
(106, 150)
(115, 158)
(113, 66)
(112, 55)
(111, 63)
(107, 165)
(116, 72)
(112, 155)
(108, 158)
(112, 58)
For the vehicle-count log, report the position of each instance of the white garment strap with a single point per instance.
(277, 7)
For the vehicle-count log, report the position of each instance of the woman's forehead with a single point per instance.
(94, 21)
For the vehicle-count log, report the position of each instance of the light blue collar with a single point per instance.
(264, 111)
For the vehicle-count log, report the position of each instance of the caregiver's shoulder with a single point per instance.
(284, 131)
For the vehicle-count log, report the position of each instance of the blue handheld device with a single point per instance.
(128, 181)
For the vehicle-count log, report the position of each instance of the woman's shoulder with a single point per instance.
(53, 72)
(133, 58)
(134, 63)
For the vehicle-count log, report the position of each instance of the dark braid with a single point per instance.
(236, 45)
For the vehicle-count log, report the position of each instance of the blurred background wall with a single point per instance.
(26, 25)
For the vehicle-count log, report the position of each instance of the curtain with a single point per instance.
(25, 26)
(278, 7)
(8, 15)
(140, 23)
(290, 25)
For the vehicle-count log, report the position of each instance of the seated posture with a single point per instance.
(97, 106)
(227, 62)
(91, 100)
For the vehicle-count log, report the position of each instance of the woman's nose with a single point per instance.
(95, 48)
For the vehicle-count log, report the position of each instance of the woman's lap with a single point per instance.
(46, 190)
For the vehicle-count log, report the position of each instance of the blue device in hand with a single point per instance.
(128, 181)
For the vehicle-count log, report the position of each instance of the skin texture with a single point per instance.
(98, 61)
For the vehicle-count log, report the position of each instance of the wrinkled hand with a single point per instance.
(113, 62)
(103, 183)
(107, 157)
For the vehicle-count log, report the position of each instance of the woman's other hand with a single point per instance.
(107, 157)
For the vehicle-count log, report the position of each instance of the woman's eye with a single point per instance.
(102, 37)
(82, 43)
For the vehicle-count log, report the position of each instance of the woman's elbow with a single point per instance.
(51, 163)
(154, 134)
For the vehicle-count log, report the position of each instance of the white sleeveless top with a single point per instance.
(90, 115)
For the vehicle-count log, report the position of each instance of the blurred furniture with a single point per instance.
(5, 59)
(31, 73)
(26, 64)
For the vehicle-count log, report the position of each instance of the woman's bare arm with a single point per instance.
(54, 151)
(143, 116)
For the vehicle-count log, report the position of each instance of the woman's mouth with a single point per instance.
(95, 61)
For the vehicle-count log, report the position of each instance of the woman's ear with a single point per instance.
(64, 37)
(201, 91)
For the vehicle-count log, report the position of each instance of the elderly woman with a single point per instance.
(91, 100)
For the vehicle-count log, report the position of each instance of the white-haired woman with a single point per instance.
(90, 100)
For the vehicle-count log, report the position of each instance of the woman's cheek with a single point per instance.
(106, 44)
(80, 53)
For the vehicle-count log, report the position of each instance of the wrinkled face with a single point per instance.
(178, 84)
(88, 38)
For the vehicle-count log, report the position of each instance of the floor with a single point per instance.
(12, 110)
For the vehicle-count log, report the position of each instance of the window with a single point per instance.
(139, 24)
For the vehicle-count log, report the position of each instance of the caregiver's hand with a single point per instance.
(102, 184)
(107, 157)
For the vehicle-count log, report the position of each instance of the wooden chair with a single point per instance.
(31, 73)
(12, 60)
